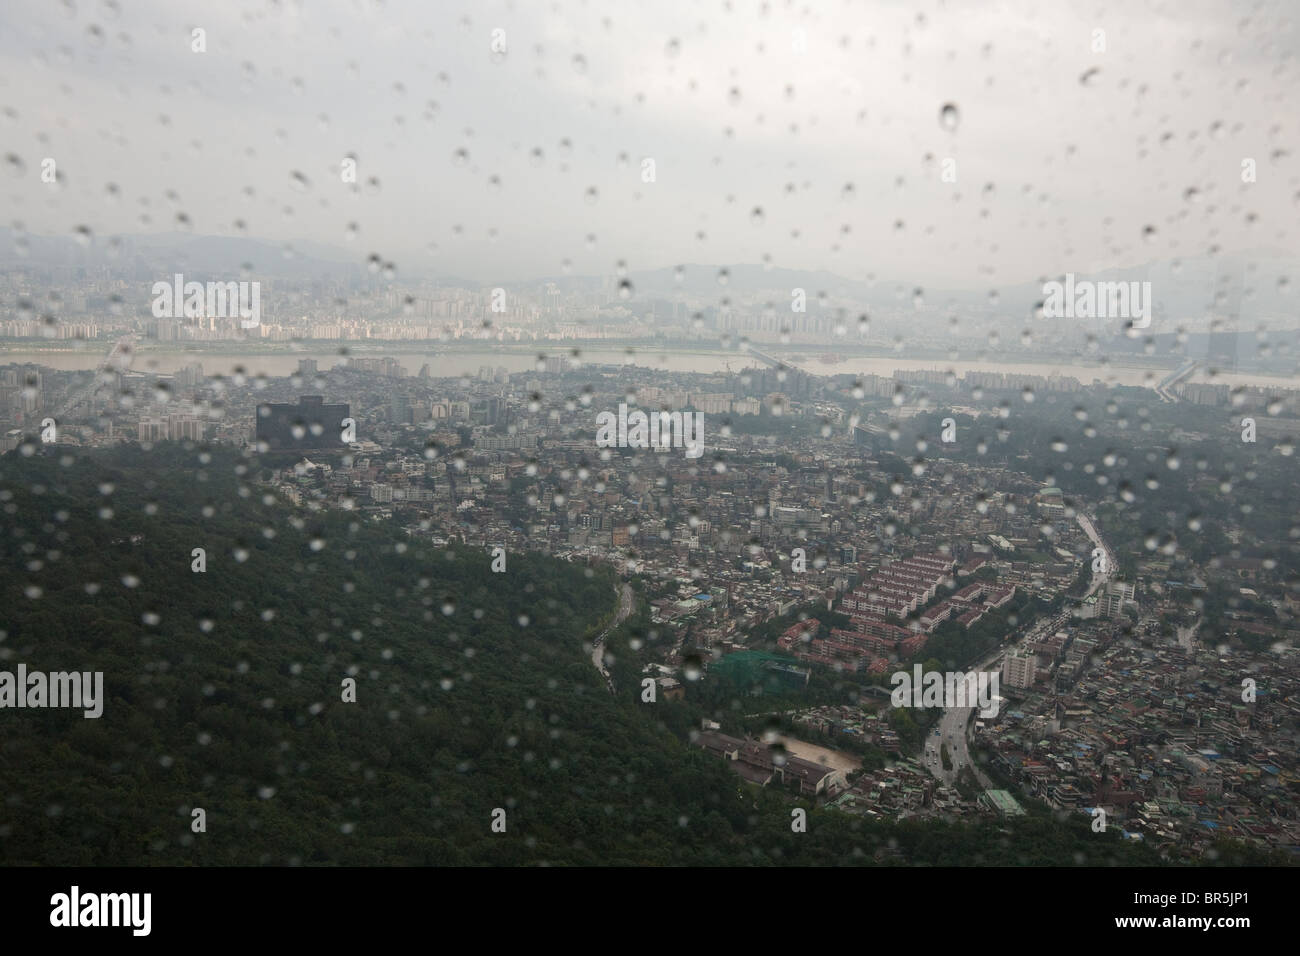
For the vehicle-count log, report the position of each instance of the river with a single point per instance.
(455, 362)
(443, 364)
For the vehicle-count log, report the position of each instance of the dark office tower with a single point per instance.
(310, 424)
(399, 410)
(307, 368)
(487, 411)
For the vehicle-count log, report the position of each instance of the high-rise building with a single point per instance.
(190, 376)
(399, 410)
(153, 429)
(1117, 594)
(1019, 670)
(184, 427)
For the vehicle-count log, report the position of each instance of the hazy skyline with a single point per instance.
(757, 118)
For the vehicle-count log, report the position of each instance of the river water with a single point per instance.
(456, 362)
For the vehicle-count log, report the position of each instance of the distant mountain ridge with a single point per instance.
(1250, 288)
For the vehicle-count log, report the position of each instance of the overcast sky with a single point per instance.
(808, 133)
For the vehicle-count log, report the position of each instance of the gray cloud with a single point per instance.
(735, 117)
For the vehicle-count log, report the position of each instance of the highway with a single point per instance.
(1162, 388)
(119, 359)
(955, 725)
(774, 362)
(953, 728)
(1098, 577)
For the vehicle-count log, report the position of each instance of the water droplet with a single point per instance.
(756, 216)
(949, 117)
(624, 289)
(1089, 76)
(1149, 234)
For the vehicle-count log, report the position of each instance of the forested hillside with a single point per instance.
(224, 691)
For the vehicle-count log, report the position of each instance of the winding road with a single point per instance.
(598, 645)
